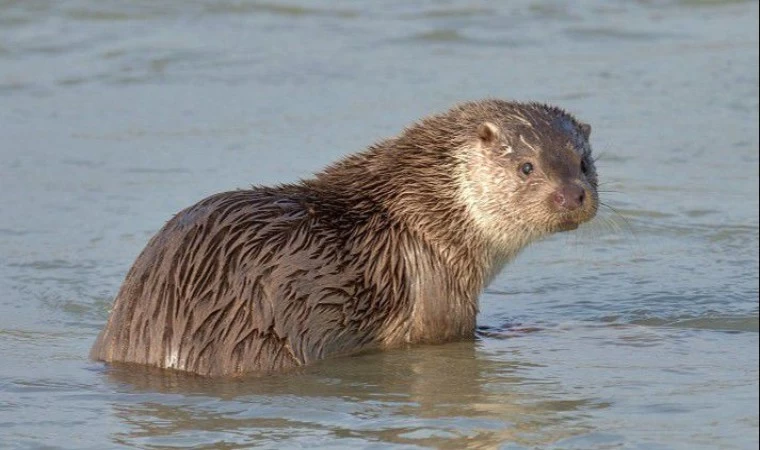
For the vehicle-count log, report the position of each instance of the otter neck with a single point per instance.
(418, 189)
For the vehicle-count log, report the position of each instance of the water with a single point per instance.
(638, 331)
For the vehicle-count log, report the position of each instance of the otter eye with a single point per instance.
(526, 168)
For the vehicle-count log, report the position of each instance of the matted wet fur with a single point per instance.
(388, 247)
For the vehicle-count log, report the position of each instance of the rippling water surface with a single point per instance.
(637, 331)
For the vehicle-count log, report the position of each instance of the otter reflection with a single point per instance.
(450, 396)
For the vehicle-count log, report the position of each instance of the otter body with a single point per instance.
(388, 247)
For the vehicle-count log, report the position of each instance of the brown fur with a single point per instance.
(388, 247)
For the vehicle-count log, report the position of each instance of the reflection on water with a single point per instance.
(445, 397)
(639, 330)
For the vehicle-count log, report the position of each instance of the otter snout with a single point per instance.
(569, 197)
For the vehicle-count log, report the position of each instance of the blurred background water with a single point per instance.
(638, 331)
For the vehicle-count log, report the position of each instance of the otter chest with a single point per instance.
(441, 310)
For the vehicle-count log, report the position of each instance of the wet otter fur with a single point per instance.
(388, 247)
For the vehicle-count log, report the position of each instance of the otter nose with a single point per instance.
(569, 196)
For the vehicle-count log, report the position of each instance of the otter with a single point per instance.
(388, 247)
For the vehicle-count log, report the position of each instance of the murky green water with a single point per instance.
(639, 331)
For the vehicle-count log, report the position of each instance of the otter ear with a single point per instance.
(586, 130)
(489, 133)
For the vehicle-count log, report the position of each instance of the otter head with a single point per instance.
(528, 174)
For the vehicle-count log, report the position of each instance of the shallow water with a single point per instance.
(639, 330)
